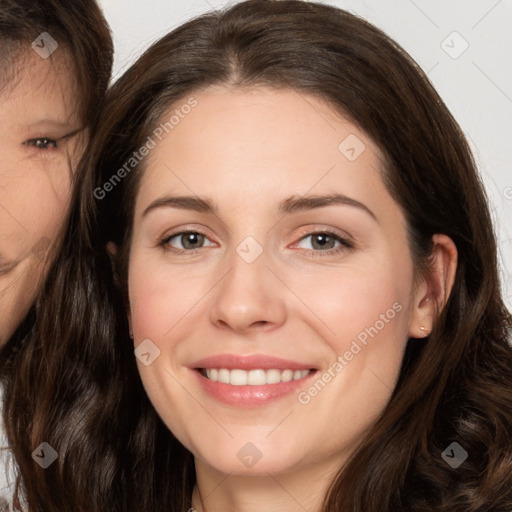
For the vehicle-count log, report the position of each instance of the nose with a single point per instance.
(249, 298)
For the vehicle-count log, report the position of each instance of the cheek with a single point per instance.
(362, 314)
(34, 202)
(352, 300)
(158, 298)
(160, 311)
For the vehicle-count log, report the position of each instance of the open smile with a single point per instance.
(259, 377)
(249, 381)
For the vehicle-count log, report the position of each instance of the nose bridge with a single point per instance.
(249, 294)
(248, 266)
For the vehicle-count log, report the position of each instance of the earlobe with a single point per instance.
(433, 292)
(423, 312)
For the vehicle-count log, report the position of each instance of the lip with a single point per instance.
(248, 362)
(249, 396)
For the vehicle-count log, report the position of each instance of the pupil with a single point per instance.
(190, 240)
(44, 143)
(323, 241)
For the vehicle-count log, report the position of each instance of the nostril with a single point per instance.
(260, 323)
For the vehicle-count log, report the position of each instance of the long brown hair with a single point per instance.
(76, 383)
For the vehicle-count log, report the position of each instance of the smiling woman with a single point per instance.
(315, 227)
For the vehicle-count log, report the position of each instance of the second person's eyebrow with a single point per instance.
(287, 206)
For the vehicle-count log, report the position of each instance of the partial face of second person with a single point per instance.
(39, 145)
(262, 251)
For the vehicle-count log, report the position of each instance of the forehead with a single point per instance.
(261, 140)
(39, 88)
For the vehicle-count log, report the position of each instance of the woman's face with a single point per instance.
(37, 120)
(270, 282)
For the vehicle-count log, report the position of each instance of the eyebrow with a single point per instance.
(194, 203)
(298, 204)
(290, 205)
(50, 123)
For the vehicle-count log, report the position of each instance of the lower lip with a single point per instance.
(250, 396)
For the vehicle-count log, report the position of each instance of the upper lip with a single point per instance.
(248, 362)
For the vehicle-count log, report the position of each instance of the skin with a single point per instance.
(39, 143)
(247, 151)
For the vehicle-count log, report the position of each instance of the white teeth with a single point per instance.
(287, 376)
(273, 376)
(238, 378)
(224, 376)
(254, 377)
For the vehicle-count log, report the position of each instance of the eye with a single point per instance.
(42, 143)
(187, 240)
(324, 241)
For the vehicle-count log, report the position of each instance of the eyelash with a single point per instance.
(45, 141)
(345, 243)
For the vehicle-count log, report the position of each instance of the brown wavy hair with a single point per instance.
(76, 384)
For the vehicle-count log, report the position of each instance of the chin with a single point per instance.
(245, 458)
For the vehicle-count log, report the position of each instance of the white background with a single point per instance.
(476, 86)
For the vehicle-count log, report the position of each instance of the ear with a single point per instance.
(111, 249)
(432, 292)
(112, 252)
